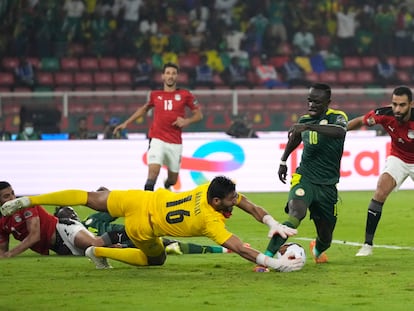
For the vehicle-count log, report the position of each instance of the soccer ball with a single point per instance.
(297, 250)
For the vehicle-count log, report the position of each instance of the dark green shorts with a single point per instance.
(321, 200)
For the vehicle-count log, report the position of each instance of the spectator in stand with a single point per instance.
(294, 74)
(109, 132)
(158, 43)
(276, 13)
(402, 31)
(385, 72)
(74, 10)
(267, 74)
(147, 23)
(28, 132)
(304, 40)
(131, 14)
(25, 73)
(199, 16)
(82, 131)
(236, 75)
(346, 28)
(223, 9)
(203, 74)
(234, 38)
(364, 35)
(4, 134)
(143, 73)
(177, 41)
(385, 22)
(260, 23)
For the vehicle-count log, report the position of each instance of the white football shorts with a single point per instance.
(163, 153)
(399, 170)
(68, 234)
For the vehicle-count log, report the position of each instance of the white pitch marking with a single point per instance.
(360, 244)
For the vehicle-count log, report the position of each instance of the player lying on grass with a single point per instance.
(102, 223)
(151, 215)
(40, 231)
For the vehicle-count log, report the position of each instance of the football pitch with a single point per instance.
(383, 281)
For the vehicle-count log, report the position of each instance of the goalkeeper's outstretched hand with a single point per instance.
(277, 228)
(285, 263)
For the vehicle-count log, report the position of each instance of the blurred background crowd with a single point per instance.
(110, 45)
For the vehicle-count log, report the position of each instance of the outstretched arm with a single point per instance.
(263, 216)
(283, 264)
(141, 111)
(356, 123)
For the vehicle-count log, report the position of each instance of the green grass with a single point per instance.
(225, 281)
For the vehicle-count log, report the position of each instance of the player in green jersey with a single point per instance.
(313, 185)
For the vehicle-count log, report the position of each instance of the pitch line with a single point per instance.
(360, 244)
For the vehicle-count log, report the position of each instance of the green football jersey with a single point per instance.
(321, 156)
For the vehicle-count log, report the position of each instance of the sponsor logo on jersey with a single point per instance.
(300, 192)
(17, 218)
(323, 122)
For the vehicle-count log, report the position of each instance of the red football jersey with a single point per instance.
(167, 106)
(16, 225)
(402, 134)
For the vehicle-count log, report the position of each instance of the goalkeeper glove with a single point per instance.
(277, 228)
(282, 264)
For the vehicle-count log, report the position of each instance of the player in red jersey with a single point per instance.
(165, 147)
(398, 121)
(40, 231)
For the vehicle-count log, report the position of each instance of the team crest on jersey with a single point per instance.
(28, 214)
(411, 134)
(371, 121)
(17, 218)
(300, 192)
(323, 122)
(177, 97)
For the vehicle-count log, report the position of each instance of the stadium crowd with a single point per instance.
(316, 32)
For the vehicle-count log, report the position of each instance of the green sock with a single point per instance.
(191, 248)
(277, 241)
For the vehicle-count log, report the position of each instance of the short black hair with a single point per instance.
(220, 187)
(403, 90)
(4, 185)
(324, 87)
(169, 64)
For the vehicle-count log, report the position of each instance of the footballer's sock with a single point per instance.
(132, 256)
(65, 197)
(320, 247)
(373, 218)
(190, 248)
(277, 241)
(149, 185)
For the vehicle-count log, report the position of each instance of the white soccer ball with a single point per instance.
(296, 249)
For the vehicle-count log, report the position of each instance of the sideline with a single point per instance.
(360, 244)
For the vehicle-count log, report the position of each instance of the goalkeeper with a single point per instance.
(150, 215)
(102, 224)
